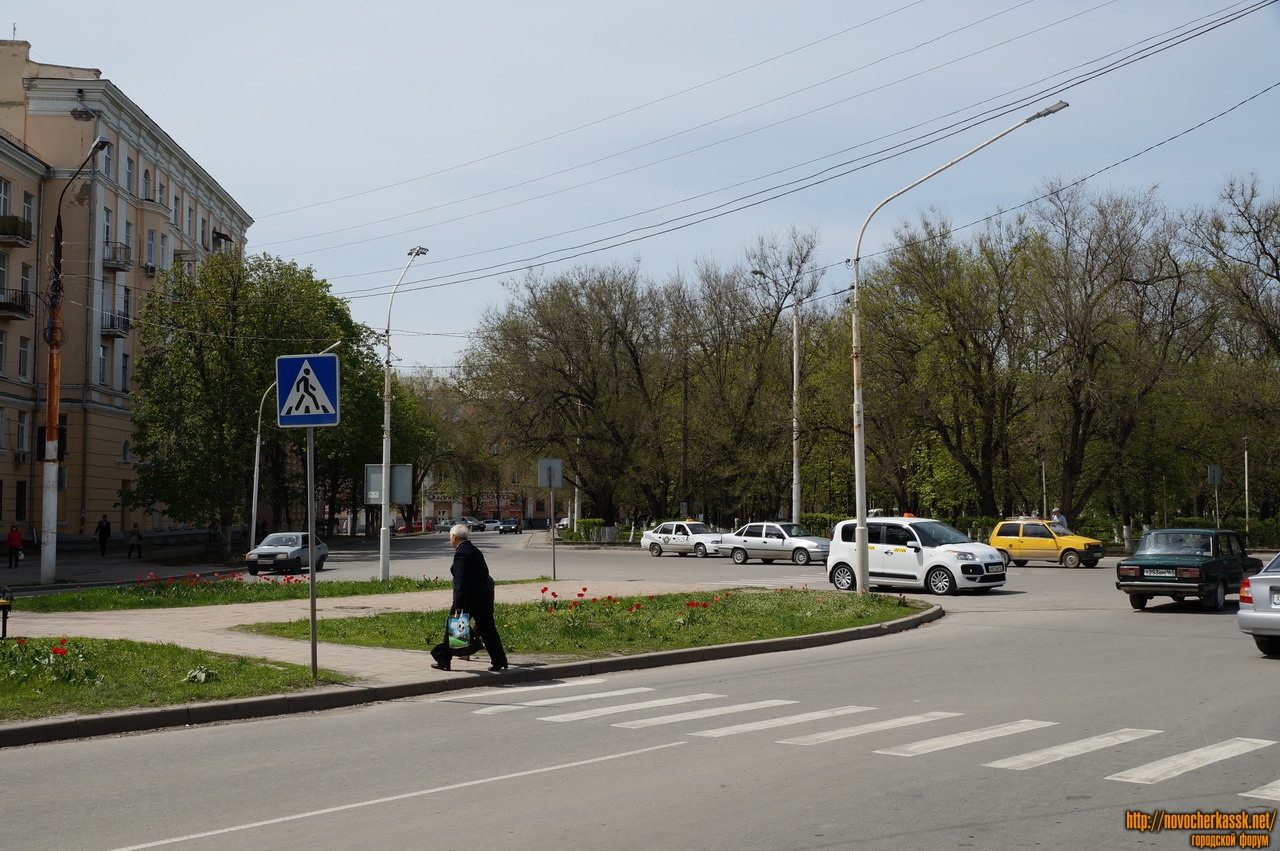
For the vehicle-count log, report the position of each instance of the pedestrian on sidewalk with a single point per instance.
(472, 595)
(14, 541)
(102, 532)
(135, 540)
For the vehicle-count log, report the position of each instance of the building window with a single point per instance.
(106, 224)
(4, 271)
(4, 433)
(28, 207)
(151, 247)
(24, 357)
(128, 235)
(191, 221)
(204, 231)
(146, 184)
(160, 196)
(124, 378)
(27, 277)
(127, 307)
(164, 251)
(24, 426)
(19, 500)
(103, 375)
(130, 176)
(3, 339)
(5, 188)
(177, 205)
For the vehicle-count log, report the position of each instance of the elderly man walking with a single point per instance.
(472, 595)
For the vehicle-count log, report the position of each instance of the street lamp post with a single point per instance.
(384, 534)
(859, 430)
(795, 396)
(257, 456)
(53, 336)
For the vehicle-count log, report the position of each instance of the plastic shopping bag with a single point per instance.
(458, 628)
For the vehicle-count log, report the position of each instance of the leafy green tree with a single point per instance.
(208, 345)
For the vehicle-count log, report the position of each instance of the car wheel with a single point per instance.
(253, 571)
(1004, 556)
(1268, 644)
(1019, 562)
(1138, 601)
(1216, 601)
(739, 555)
(320, 562)
(1091, 562)
(800, 556)
(655, 550)
(1071, 559)
(699, 550)
(941, 582)
(842, 577)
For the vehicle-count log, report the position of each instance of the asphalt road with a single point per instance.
(1041, 715)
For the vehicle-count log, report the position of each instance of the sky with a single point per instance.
(511, 136)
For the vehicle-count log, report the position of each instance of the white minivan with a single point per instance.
(915, 552)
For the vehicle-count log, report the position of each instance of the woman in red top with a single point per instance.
(15, 544)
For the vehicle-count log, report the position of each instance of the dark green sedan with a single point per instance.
(1180, 563)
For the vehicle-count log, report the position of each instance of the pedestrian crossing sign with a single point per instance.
(307, 390)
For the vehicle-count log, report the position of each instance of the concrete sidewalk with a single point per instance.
(374, 673)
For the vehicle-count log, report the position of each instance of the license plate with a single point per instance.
(995, 568)
(1275, 598)
(1160, 571)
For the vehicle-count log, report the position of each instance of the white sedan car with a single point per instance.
(287, 552)
(682, 538)
(771, 541)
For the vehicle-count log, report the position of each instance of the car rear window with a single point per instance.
(1174, 543)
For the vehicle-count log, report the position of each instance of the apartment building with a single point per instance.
(137, 207)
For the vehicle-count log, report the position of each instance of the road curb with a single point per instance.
(336, 697)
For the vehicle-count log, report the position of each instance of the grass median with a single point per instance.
(43, 677)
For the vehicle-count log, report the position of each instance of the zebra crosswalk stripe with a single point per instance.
(969, 737)
(1163, 769)
(701, 713)
(628, 707)
(783, 721)
(1044, 756)
(557, 701)
(874, 727)
(1270, 792)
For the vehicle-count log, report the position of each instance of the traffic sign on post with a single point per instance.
(308, 390)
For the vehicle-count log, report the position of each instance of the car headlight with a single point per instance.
(251, 557)
(963, 556)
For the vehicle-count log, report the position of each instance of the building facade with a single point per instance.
(138, 207)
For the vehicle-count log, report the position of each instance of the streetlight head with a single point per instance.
(1057, 107)
(417, 251)
(98, 144)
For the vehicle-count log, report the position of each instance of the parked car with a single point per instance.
(1181, 563)
(491, 524)
(682, 537)
(286, 552)
(1023, 539)
(473, 524)
(562, 523)
(771, 541)
(1259, 613)
(914, 552)
(417, 526)
(511, 524)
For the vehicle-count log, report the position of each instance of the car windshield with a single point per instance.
(280, 540)
(1060, 529)
(1174, 543)
(794, 530)
(935, 534)
(698, 528)
(1273, 566)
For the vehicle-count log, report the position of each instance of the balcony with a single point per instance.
(15, 304)
(116, 324)
(15, 230)
(117, 255)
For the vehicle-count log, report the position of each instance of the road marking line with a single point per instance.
(966, 738)
(628, 707)
(1035, 759)
(784, 721)
(702, 713)
(1163, 769)
(874, 727)
(556, 701)
(401, 797)
(1270, 792)
(507, 691)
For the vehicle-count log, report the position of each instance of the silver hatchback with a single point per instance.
(1259, 613)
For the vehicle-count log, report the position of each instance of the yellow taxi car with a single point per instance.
(1023, 539)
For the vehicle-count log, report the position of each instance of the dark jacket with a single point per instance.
(472, 586)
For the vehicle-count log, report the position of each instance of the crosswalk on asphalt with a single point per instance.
(1174, 765)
